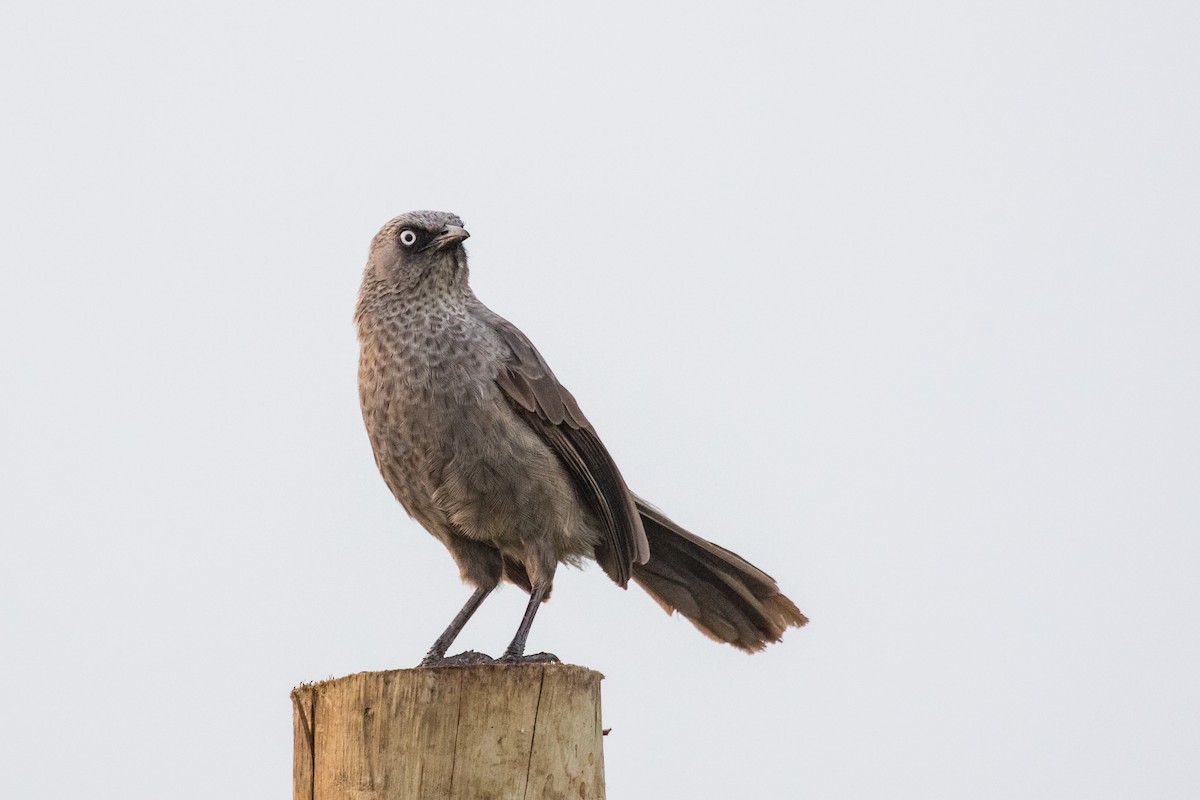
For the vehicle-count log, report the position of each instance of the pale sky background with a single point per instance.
(899, 301)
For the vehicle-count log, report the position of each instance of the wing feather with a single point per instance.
(551, 411)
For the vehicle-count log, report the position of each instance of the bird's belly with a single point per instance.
(499, 482)
(474, 467)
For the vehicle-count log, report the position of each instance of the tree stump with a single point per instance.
(527, 731)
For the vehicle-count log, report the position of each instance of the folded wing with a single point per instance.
(553, 414)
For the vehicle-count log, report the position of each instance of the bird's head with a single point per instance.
(417, 247)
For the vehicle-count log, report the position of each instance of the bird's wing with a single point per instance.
(554, 415)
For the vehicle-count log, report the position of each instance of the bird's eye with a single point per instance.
(407, 238)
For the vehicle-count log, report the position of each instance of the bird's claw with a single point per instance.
(464, 659)
(535, 658)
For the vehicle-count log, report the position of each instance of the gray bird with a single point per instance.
(485, 448)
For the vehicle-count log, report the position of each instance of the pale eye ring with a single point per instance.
(407, 238)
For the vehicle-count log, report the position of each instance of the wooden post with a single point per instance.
(486, 732)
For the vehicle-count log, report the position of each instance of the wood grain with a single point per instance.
(509, 732)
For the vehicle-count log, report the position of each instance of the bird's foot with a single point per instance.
(464, 659)
(536, 658)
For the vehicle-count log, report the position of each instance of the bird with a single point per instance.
(480, 443)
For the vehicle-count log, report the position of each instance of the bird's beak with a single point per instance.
(448, 237)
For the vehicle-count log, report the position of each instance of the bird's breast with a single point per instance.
(424, 376)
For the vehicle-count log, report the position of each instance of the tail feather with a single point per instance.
(726, 597)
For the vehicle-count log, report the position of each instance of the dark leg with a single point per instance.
(516, 650)
(437, 653)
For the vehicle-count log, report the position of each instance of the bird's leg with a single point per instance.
(437, 653)
(516, 650)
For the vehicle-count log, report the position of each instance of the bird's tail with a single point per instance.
(726, 597)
